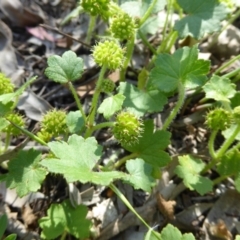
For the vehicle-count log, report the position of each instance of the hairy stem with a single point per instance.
(76, 98)
(100, 126)
(128, 204)
(181, 96)
(130, 47)
(147, 13)
(121, 161)
(29, 134)
(228, 142)
(91, 27)
(95, 98)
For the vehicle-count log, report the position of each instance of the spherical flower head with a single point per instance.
(122, 26)
(54, 123)
(107, 86)
(5, 85)
(96, 7)
(219, 119)
(127, 128)
(44, 135)
(18, 120)
(236, 114)
(108, 53)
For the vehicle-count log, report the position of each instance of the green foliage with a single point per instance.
(151, 146)
(79, 157)
(230, 164)
(25, 173)
(142, 101)
(3, 226)
(76, 160)
(63, 218)
(63, 69)
(204, 18)
(219, 89)
(74, 121)
(111, 105)
(189, 170)
(140, 174)
(183, 66)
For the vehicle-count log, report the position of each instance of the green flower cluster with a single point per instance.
(53, 125)
(107, 86)
(18, 120)
(108, 53)
(127, 128)
(96, 7)
(219, 119)
(5, 84)
(122, 26)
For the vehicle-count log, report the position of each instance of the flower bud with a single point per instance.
(108, 53)
(219, 119)
(127, 128)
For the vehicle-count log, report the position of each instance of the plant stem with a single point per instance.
(29, 134)
(232, 73)
(169, 6)
(225, 65)
(128, 204)
(227, 143)
(121, 161)
(219, 179)
(130, 47)
(211, 143)
(147, 13)
(63, 236)
(95, 98)
(146, 42)
(76, 98)
(181, 96)
(91, 26)
(7, 141)
(101, 125)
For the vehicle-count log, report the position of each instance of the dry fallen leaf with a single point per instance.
(166, 207)
(23, 16)
(220, 230)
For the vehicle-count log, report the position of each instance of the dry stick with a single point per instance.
(64, 34)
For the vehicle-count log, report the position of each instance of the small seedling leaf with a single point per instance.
(111, 105)
(75, 121)
(219, 89)
(189, 170)
(140, 174)
(69, 67)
